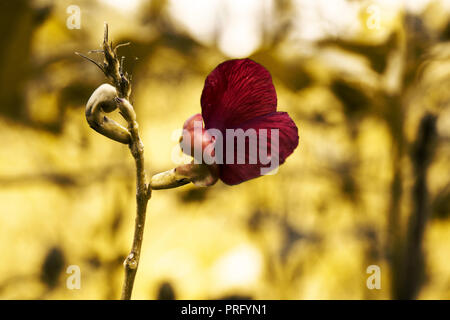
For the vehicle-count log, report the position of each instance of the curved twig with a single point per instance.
(101, 101)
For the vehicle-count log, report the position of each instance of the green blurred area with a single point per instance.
(368, 185)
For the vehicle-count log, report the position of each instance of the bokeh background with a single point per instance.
(367, 83)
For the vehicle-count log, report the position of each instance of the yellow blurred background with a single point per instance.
(366, 83)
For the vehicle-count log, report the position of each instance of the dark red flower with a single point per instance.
(239, 94)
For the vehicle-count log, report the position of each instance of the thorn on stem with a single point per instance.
(121, 65)
(105, 34)
(96, 51)
(91, 60)
(121, 45)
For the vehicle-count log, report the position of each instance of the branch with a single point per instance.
(106, 99)
(143, 194)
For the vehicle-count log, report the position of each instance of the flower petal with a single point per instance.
(237, 91)
(195, 138)
(235, 173)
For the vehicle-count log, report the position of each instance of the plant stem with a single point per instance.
(104, 99)
(143, 193)
(112, 67)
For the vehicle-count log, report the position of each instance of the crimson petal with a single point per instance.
(235, 92)
(235, 173)
(192, 139)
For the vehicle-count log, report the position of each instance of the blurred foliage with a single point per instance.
(369, 183)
